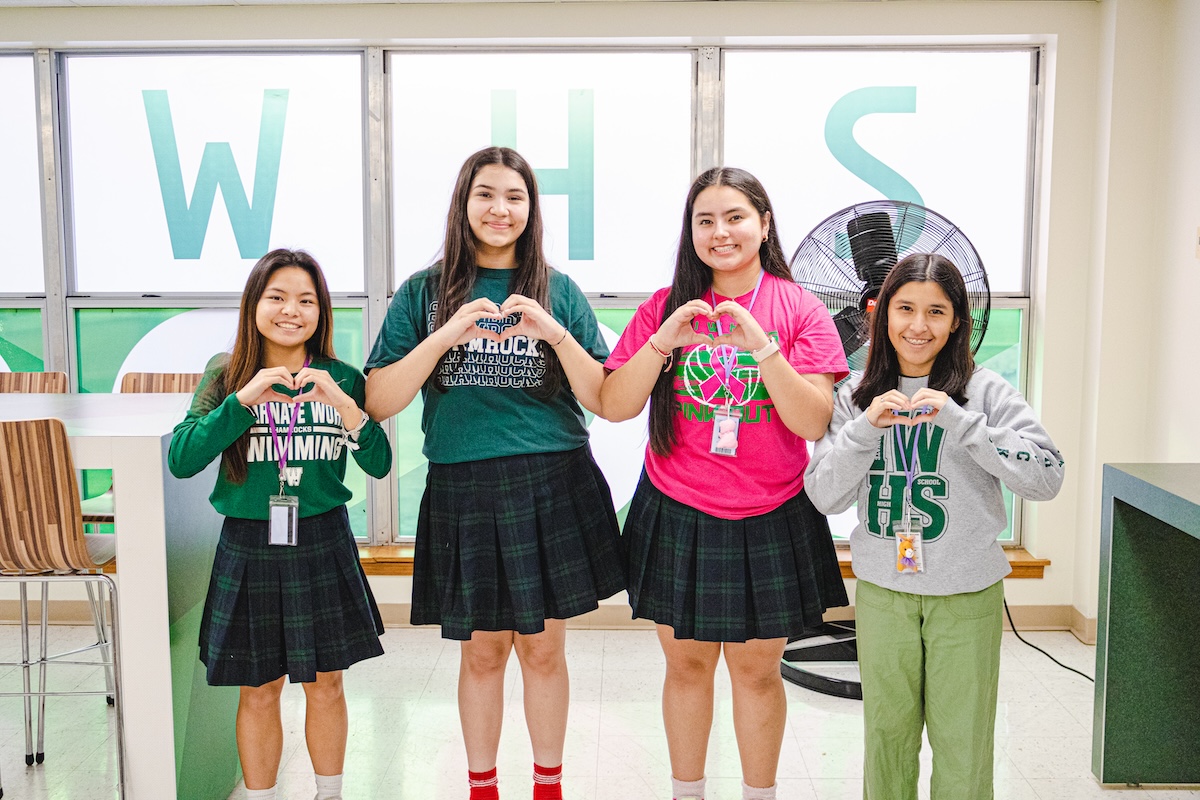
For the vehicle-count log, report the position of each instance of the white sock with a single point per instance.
(329, 787)
(751, 793)
(681, 789)
(261, 794)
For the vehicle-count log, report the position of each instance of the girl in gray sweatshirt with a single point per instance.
(922, 441)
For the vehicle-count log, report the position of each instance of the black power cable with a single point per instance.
(1040, 650)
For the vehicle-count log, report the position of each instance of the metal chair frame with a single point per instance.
(42, 541)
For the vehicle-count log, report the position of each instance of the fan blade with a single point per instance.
(873, 248)
(851, 324)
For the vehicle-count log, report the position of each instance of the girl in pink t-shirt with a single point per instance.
(724, 550)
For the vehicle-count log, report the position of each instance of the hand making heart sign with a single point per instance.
(678, 329)
(533, 320)
(893, 407)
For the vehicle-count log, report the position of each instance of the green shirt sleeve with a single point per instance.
(374, 453)
(405, 325)
(580, 319)
(208, 428)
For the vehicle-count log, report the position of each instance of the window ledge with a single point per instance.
(1023, 564)
(390, 559)
(397, 559)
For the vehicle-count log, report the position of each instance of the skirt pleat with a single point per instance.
(275, 610)
(507, 543)
(720, 580)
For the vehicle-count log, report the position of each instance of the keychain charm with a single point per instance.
(908, 531)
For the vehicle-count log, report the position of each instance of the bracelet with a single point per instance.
(668, 356)
(566, 333)
(766, 351)
(654, 347)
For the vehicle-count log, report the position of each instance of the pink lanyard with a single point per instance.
(281, 450)
(726, 354)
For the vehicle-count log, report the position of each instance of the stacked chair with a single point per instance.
(42, 541)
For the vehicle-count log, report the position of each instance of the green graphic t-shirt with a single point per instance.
(486, 411)
(316, 464)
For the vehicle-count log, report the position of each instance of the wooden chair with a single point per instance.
(42, 541)
(34, 382)
(160, 382)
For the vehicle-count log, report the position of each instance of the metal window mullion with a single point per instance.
(55, 336)
(383, 517)
(708, 109)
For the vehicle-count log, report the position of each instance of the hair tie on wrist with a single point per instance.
(563, 338)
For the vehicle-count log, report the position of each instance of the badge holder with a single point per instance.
(726, 424)
(909, 542)
(284, 519)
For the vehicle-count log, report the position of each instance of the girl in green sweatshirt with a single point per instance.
(288, 598)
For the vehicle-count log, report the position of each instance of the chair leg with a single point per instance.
(98, 622)
(118, 703)
(40, 754)
(25, 675)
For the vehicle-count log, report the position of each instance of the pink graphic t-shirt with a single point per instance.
(769, 466)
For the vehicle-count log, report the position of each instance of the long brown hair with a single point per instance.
(693, 278)
(954, 365)
(248, 351)
(456, 274)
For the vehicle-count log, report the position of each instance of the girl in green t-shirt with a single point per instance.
(516, 531)
(286, 601)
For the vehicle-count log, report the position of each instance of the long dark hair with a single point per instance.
(693, 278)
(248, 351)
(456, 275)
(954, 365)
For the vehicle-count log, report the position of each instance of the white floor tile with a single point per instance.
(406, 744)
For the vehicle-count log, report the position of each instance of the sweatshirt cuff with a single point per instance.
(860, 431)
(235, 414)
(953, 418)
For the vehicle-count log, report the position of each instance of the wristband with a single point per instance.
(654, 347)
(566, 333)
(766, 351)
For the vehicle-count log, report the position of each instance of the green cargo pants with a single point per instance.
(929, 660)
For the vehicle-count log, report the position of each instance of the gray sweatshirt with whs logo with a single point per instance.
(962, 458)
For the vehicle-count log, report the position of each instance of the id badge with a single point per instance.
(284, 520)
(908, 531)
(726, 423)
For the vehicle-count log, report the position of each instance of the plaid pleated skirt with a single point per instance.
(295, 611)
(507, 543)
(721, 580)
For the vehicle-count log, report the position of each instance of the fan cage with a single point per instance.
(843, 260)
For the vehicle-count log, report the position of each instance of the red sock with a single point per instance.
(547, 782)
(484, 785)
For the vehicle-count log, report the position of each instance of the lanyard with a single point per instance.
(281, 450)
(726, 354)
(909, 466)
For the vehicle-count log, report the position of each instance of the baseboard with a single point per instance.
(60, 612)
(606, 617)
(1083, 627)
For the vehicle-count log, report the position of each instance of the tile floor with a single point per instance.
(405, 742)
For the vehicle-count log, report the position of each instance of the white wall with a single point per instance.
(1115, 225)
(1176, 343)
